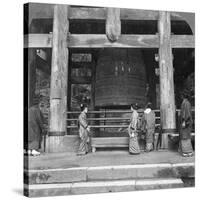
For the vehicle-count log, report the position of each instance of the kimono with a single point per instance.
(185, 145)
(83, 134)
(132, 130)
(35, 128)
(149, 128)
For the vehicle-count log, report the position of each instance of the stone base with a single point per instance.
(67, 143)
(100, 187)
(70, 143)
(164, 141)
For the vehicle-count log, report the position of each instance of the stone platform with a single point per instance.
(105, 171)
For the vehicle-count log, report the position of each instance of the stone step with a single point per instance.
(119, 172)
(40, 190)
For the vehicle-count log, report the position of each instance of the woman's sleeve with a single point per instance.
(143, 122)
(136, 120)
(83, 121)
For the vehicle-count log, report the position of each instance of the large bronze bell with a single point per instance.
(120, 78)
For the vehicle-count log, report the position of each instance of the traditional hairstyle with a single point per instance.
(83, 106)
(186, 94)
(134, 106)
(149, 105)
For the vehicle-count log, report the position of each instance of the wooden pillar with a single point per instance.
(59, 75)
(167, 99)
(113, 24)
(92, 104)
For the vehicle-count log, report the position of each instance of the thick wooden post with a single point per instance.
(113, 24)
(59, 76)
(167, 99)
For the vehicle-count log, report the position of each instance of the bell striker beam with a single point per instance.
(167, 98)
(59, 75)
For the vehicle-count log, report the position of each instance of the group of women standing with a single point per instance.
(147, 125)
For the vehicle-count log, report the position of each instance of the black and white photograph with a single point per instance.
(109, 99)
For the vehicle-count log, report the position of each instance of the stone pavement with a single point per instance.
(104, 158)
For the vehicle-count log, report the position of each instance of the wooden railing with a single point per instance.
(100, 119)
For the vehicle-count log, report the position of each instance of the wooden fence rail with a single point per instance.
(115, 121)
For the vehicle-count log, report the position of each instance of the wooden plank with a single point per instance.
(38, 41)
(177, 134)
(125, 14)
(101, 141)
(108, 111)
(101, 41)
(182, 41)
(100, 14)
(109, 145)
(106, 119)
(87, 13)
(105, 126)
(103, 119)
(45, 11)
(167, 99)
(59, 78)
(134, 14)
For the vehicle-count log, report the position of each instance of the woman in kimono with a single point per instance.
(83, 131)
(132, 131)
(149, 127)
(185, 145)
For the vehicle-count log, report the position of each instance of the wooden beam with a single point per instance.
(124, 41)
(167, 98)
(101, 41)
(38, 41)
(134, 14)
(125, 14)
(183, 41)
(113, 24)
(107, 119)
(87, 13)
(45, 11)
(59, 78)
